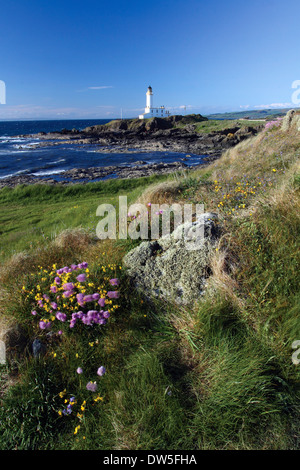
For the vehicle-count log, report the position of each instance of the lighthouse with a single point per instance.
(149, 99)
(149, 110)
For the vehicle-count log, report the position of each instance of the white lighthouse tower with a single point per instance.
(149, 99)
(149, 110)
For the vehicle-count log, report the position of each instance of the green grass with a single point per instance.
(206, 127)
(34, 214)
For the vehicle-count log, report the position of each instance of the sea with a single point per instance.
(18, 155)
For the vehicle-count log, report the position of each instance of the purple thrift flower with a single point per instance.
(79, 370)
(57, 280)
(91, 386)
(53, 289)
(54, 305)
(88, 298)
(113, 294)
(43, 325)
(101, 371)
(96, 296)
(81, 278)
(68, 286)
(68, 293)
(34, 312)
(80, 299)
(114, 282)
(101, 302)
(77, 315)
(61, 316)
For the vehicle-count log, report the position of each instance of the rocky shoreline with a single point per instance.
(129, 136)
(85, 175)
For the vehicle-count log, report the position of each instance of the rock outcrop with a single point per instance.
(175, 267)
(291, 120)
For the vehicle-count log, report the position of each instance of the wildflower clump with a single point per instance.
(273, 124)
(68, 296)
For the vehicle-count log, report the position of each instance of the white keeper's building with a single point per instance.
(150, 111)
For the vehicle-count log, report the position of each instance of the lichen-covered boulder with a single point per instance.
(175, 267)
(291, 120)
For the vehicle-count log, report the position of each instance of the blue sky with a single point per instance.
(75, 59)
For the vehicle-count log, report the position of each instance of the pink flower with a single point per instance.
(68, 286)
(61, 316)
(43, 325)
(53, 289)
(113, 294)
(83, 265)
(91, 386)
(79, 370)
(114, 282)
(68, 293)
(81, 278)
(101, 371)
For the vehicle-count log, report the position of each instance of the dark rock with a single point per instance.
(38, 348)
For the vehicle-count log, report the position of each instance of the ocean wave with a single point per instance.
(46, 173)
(26, 146)
(27, 170)
(13, 140)
(58, 161)
(9, 152)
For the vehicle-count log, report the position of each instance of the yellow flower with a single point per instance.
(98, 398)
(77, 429)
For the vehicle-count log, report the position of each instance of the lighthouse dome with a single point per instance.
(149, 90)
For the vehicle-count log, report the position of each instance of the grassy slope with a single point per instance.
(33, 214)
(202, 124)
(218, 375)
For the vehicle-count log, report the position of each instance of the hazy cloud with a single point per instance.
(99, 87)
(273, 105)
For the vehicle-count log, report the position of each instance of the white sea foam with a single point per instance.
(15, 174)
(58, 161)
(47, 172)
